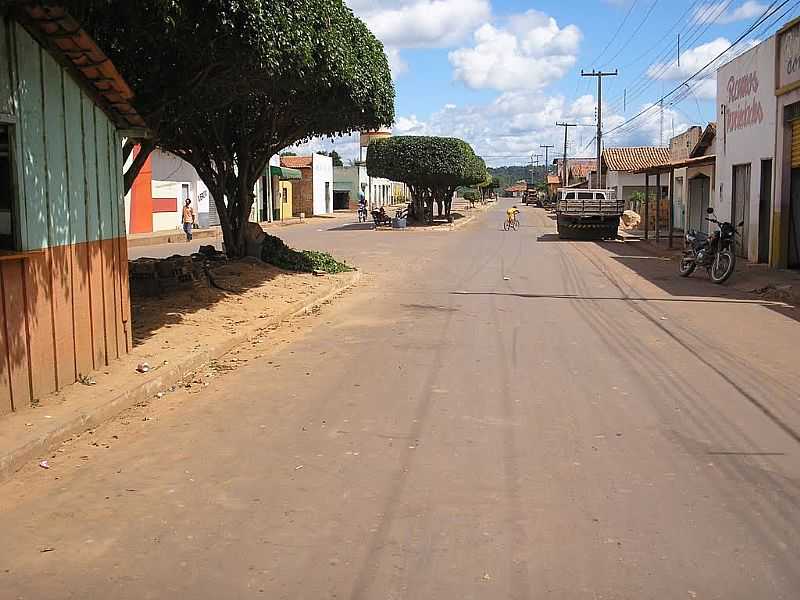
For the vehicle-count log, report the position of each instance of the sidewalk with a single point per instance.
(176, 236)
(202, 325)
(771, 284)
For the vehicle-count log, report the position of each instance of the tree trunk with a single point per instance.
(145, 150)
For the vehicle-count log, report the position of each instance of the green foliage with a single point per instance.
(471, 196)
(225, 85)
(432, 167)
(428, 161)
(489, 184)
(275, 252)
(507, 176)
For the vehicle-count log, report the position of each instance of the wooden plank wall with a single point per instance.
(65, 308)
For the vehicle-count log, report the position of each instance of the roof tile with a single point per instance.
(635, 158)
(297, 162)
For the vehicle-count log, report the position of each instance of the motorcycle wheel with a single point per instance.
(687, 266)
(723, 266)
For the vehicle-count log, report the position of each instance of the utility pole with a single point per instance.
(599, 75)
(532, 156)
(538, 157)
(661, 125)
(546, 158)
(566, 127)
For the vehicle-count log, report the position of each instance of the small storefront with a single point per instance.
(786, 211)
(745, 148)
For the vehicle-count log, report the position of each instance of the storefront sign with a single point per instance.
(743, 108)
(789, 58)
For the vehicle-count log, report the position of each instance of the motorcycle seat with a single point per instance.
(697, 236)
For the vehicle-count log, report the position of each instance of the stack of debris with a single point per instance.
(151, 277)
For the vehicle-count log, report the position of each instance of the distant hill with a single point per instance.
(511, 175)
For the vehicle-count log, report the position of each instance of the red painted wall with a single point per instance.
(142, 199)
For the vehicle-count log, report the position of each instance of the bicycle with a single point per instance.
(511, 224)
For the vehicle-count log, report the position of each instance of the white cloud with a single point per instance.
(419, 24)
(647, 129)
(396, 62)
(510, 128)
(719, 12)
(694, 59)
(422, 23)
(528, 54)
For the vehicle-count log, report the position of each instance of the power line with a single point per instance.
(765, 16)
(616, 33)
(652, 72)
(599, 136)
(638, 28)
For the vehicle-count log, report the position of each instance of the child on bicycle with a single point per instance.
(512, 213)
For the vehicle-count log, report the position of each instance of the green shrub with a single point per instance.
(275, 252)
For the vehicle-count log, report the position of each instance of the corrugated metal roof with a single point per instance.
(635, 158)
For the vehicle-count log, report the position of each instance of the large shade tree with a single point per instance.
(488, 186)
(432, 167)
(243, 80)
(170, 53)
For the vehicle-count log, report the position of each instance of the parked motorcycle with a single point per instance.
(715, 252)
(362, 214)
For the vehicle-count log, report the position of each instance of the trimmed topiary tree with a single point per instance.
(431, 167)
(487, 186)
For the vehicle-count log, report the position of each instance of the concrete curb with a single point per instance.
(172, 237)
(79, 419)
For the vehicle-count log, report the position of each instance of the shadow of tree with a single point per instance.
(229, 281)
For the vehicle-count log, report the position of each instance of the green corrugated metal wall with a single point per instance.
(58, 188)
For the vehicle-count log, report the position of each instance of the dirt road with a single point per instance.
(488, 415)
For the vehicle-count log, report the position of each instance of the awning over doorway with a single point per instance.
(285, 173)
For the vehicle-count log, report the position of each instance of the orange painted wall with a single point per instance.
(141, 217)
(76, 318)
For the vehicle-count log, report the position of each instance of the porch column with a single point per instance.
(658, 206)
(671, 202)
(646, 205)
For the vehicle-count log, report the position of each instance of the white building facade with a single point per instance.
(745, 148)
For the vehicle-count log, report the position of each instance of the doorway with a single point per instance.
(794, 221)
(328, 202)
(764, 211)
(740, 209)
(341, 200)
(699, 193)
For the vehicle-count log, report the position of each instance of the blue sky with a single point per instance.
(499, 73)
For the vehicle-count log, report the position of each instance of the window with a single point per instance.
(585, 196)
(570, 196)
(8, 200)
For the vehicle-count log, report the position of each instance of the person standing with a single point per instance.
(188, 219)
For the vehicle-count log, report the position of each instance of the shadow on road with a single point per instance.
(354, 227)
(699, 300)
